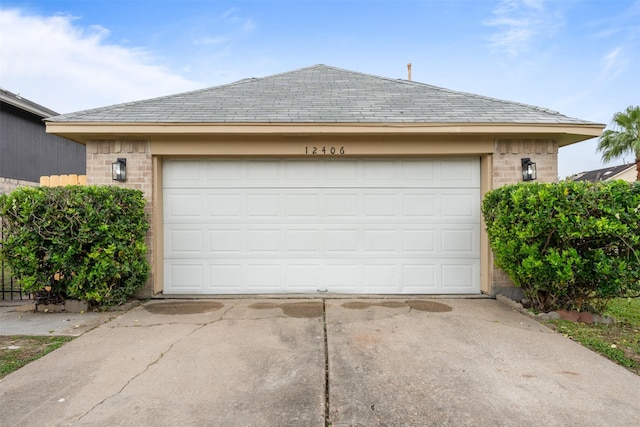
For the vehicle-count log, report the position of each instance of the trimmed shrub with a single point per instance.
(76, 242)
(571, 245)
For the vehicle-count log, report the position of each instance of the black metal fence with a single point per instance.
(10, 289)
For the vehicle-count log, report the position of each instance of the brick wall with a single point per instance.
(507, 169)
(100, 156)
(507, 165)
(7, 185)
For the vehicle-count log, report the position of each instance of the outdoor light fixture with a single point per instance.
(528, 170)
(119, 170)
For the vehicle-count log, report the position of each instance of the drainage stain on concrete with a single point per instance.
(304, 309)
(183, 307)
(420, 305)
(360, 305)
(430, 306)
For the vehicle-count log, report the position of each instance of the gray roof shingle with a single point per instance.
(602, 174)
(322, 94)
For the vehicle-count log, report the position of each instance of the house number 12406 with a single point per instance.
(323, 150)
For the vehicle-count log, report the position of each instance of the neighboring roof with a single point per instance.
(602, 174)
(322, 94)
(24, 104)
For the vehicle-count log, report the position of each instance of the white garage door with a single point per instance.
(307, 226)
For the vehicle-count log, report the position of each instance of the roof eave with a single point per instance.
(565, 134)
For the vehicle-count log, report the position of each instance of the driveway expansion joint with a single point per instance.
(327, 406)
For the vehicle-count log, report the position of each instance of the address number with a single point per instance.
(323, 150)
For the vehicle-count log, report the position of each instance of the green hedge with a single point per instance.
(570, 245)
(76, 242)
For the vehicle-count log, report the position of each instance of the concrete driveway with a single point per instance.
(338, 362)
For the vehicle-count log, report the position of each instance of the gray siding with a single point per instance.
(28, 152)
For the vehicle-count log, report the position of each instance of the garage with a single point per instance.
(320, 181)
(335, 225)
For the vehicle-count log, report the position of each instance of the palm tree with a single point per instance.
(625, 139)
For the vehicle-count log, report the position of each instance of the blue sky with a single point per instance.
(578, 57)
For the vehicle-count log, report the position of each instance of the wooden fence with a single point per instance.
(62, 180)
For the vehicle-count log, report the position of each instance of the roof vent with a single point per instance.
(409, 71)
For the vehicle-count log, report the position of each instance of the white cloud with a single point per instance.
(518, 23)
(61, 65)
(229, 26)
(613, 64)
(232, 16)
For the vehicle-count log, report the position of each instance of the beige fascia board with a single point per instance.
(84, 131)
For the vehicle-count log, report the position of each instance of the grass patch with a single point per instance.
(619, 342)
(17, 351)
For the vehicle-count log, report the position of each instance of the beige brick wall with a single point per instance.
(507, 169)
(7, 185)
(101, 154)
(507, 165)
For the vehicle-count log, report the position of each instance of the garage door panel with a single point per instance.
(226, 278)
(220, 205)
(422, 242)
(185, 242)
(380, 173)
(456, 275)
(185, 276)
(418, 173)
(262, 173)
(303, 241)
(459, 205)
(301, 205)
(264, 277)
(302, 277)
(302, 173)
(263, 241)
(459, 172)
(378, 242)
(341, 205)
(381, 278)
(461, 241)
(419, 278)
(227, 241)
(379, 205)
(184, 174)
(341, 173)
(263, 205)
(342, 277)
(419, 206)
(350, 225)
(184, 205)
(341, 242)
(221, 174)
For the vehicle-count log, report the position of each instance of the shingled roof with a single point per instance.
(602, 174)
(322, 94)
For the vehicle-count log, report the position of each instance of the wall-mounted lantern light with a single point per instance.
(528, 170)
(119, 170)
